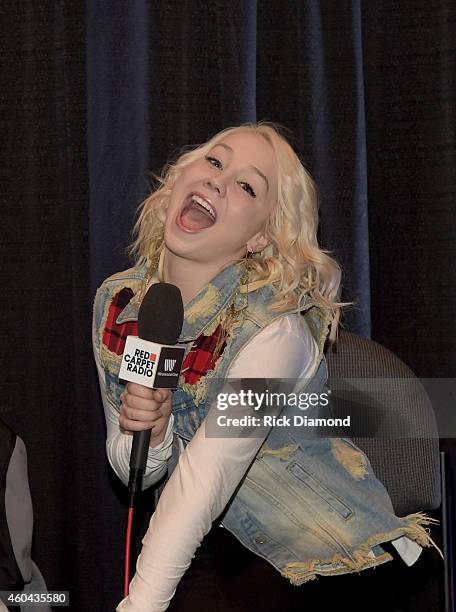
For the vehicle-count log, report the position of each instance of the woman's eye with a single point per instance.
(246, 187)
(214, 161)
(218, 164)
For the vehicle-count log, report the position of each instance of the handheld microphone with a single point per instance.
(152, 360)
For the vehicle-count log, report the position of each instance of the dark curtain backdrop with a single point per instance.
(95, 98)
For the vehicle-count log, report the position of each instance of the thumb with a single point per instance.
(161, 395)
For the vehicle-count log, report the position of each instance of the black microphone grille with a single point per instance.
(161, 314)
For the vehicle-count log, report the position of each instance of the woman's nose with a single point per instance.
(217, 184)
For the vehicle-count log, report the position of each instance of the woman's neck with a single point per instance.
(190, 276)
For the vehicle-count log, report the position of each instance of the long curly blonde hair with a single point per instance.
(293, 262)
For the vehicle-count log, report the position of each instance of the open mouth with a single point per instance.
(196, 214)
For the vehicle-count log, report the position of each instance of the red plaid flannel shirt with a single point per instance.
(197, 362)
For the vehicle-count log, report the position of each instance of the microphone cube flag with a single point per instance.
(150, 364)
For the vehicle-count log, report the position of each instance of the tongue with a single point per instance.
(195, 218)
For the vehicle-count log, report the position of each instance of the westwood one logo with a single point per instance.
(142, 362)
(169, 364)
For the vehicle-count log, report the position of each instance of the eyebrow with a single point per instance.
(228, 148)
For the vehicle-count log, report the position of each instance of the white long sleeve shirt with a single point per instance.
(208, 471)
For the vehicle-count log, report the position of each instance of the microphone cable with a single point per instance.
(134, 485)
(127, 551)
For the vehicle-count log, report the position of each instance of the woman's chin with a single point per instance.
(180, 237)
(200, 245)
(187, 244)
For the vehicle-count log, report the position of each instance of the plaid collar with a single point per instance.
(224, 286)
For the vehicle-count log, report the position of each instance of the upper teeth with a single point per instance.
(205, 204)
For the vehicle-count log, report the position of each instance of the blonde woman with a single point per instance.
(233, 224)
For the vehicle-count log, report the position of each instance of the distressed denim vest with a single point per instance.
(308, 505)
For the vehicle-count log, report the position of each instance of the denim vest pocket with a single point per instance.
(305, 521)
(319, 489)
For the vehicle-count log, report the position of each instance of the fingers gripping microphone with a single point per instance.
(152, 360)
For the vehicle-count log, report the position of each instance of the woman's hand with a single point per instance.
(144, 408)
